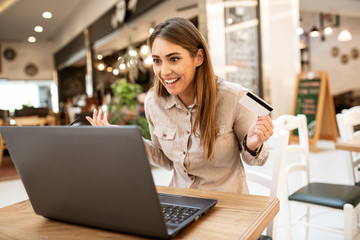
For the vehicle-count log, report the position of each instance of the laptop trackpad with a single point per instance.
(164, 198)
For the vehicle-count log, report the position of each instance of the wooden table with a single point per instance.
(236, 216)
(351, 145)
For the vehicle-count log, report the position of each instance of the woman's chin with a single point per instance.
(172, 91)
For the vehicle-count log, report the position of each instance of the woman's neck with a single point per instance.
(187, 97)
(187, 100)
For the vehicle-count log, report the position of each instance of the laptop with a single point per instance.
(98, 177)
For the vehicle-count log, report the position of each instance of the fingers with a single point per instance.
(262, 135)
(266, 122)
(97, 119)
(90, 120)
(104, 121)
(264, 128)
(94, 115)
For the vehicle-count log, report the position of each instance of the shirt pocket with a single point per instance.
(164, 133)
(166, 138)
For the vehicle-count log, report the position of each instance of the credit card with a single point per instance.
(255, 104)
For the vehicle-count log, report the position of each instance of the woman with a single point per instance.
(197, 125)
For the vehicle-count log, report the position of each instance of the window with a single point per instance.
(14, 94)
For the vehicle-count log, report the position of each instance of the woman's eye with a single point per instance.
(156, 61)
(174, 59)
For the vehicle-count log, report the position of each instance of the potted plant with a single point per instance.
(124, 108)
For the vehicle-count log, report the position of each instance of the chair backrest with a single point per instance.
(273, 181)
(347, 120)
(350, 109)
(291, 123)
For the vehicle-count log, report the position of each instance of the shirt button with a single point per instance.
(184, 171)
(187, 113)
(188, 132)
(164, 134)
(192, 178)
(184, 152)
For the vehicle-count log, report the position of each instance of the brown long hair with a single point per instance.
(182, 32)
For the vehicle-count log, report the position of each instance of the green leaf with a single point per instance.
(125, 94)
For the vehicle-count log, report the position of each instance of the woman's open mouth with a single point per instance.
(171, 81)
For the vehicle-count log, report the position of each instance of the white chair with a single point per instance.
(356, 108)
(344, 198)
(346, 121)
(272, 182)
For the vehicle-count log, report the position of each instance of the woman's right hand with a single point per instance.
(97, 119)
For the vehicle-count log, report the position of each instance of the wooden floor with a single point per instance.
(7, 169)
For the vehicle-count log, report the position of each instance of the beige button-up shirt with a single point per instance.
(173, 146)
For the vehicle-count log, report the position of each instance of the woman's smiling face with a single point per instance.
(176, 68)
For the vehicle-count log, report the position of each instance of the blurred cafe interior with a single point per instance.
(60, 60)
(67, 63)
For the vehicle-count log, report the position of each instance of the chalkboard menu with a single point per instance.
(313, 99)
(307, 102)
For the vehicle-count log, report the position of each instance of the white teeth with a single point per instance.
(169, 81)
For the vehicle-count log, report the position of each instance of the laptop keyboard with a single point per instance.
(177, 214)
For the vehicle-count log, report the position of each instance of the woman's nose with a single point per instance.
(165, 69)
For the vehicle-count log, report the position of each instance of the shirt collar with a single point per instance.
(171, 101)
(174, 100)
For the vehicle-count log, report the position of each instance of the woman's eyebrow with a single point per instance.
(172, 54)
(168, 55)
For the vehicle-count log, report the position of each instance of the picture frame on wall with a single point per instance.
(354, 53)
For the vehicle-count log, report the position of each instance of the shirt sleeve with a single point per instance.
(260, 159)
(155, 154)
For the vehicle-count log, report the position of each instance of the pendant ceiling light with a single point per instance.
(314, 32)
(344, 36)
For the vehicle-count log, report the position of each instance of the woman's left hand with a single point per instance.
(97, 119)
(259, 132)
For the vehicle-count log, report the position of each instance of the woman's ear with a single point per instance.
(199, 58)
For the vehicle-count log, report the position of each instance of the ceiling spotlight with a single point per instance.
(38, 29)
(31, 39)
(314, 32)
(47, 15)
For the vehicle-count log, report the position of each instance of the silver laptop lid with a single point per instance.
(96, 176)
